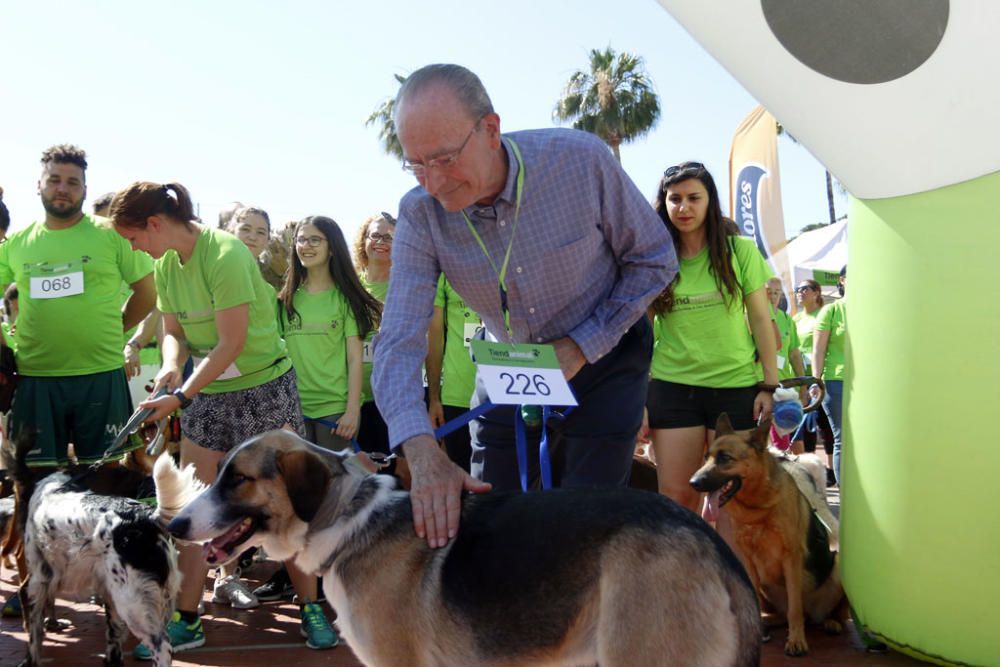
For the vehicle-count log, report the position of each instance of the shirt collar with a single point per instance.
(509, 192)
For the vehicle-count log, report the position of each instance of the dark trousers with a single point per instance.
(458, 443)
(593, 446)
(373, 434)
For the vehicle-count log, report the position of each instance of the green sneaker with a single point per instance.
(12, 607)
(182, 637)
(316, 629)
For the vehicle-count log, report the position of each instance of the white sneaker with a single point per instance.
(230, 590)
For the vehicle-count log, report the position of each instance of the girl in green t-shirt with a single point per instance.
(373, 260)
(325, 314)
(829, 355)
(704, 352)
(218, 310)
(808, 299)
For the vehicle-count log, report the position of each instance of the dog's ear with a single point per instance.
(760, 436)
(306, 479)
(722, 425)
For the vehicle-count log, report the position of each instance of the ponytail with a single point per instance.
(132, 206)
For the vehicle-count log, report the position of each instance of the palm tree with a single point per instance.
(382, 117)
(614, 100)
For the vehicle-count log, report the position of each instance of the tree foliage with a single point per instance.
(381, 118)
(615, 99)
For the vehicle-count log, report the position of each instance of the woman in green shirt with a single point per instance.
(218, 310)
(704, 354)
(829, 339)
(808, 299)
(325, 314)
(373, 261)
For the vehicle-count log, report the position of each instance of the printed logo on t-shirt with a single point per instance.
(698, 301)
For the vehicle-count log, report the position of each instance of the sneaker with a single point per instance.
(230, 590)
(316, 629)
(12, 607)
(182, 637)
(278, 587)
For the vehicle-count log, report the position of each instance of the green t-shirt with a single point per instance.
(317, 344)
(377, 290)
(789, 342)
(705, 341)
(458, 373)
(8, 338)
(79, 333)
(805, 324)
(221, 274)
(833, 318)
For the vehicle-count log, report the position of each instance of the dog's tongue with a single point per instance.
(211, 553)
(711, 513)
(216, 551)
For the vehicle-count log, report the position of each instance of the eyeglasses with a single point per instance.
(380, 238)
(311, 241)
(684, 166)
(442, 161)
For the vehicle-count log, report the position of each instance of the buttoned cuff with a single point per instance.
(593, 341)
(408, 425)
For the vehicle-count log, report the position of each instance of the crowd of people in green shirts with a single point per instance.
(254, 330)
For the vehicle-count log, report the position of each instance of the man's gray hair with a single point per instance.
(464, 83)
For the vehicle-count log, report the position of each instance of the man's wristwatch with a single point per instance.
(179, 395)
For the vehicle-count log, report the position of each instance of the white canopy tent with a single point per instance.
(817, 255)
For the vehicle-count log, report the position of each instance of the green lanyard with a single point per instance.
(502, 271)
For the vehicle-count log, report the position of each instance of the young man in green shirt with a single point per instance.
(69, 269)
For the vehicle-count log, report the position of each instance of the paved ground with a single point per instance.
(269, 635)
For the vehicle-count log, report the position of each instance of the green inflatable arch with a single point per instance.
(899, 99)
(919, 515)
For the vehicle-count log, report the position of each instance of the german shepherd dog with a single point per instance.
(783, 544)
(615, 577)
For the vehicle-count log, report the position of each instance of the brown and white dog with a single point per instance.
(565, 577)
(783, 542)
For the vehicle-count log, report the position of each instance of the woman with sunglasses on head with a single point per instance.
(704, 355)
(218, 310)
(373, 261)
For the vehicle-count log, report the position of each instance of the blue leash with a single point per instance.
(326, 422)
(520, 438)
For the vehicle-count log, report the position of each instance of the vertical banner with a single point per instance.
(755, 191)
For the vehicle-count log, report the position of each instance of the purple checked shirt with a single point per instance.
(589, 256)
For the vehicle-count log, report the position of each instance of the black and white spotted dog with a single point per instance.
(79, 542)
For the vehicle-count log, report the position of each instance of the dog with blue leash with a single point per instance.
(565, 577)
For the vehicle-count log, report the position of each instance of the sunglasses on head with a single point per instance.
(684, 166)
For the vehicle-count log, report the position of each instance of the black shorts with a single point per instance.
(673, 405)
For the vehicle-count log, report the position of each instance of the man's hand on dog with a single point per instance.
(436, 490)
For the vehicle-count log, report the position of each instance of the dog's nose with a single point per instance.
(179, 527)
(698, 482)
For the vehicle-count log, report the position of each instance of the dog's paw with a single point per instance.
(796, 647)
(832, 626)
(765, 634)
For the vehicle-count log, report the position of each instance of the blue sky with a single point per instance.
(265, 102)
